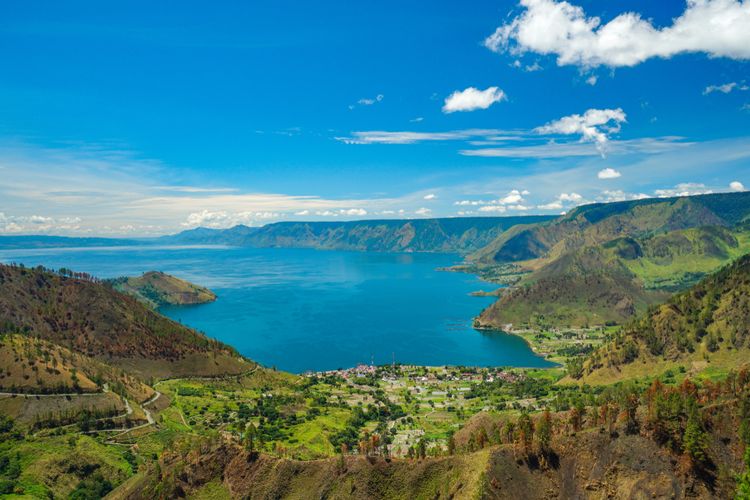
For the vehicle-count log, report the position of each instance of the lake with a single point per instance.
(299, 309)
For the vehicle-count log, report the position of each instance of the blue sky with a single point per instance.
(144, 118)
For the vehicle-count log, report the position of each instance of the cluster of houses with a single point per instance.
(419, 374)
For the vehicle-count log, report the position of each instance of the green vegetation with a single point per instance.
(609, 263)
(705, 323)
(157, 289)
(76, 311)
(160, 411)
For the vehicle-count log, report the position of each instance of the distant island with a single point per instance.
(158, 289)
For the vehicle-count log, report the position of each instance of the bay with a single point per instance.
(300, 309)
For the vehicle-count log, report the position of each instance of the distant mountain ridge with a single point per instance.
(601, 222)
(439, 235)
(608, 262)
(443, 235)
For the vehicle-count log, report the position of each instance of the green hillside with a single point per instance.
(601, 222)
(607, 263)
(83, 315)
(707, 324)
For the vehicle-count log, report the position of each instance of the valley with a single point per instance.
(643, 387)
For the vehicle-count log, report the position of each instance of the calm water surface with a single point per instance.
(317, 310)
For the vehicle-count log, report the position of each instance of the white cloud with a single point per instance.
(515, 196)
(683, 189)
(718, 28)
(37, 224)
(423, 211)
(493, 208)
(343, 211)
(430, 196)
(533, 67)
(619, 195)
(367, 101)
(608, 173)
(649, 145)
(473, 203)
(736, 186)
(408, 137)
(593, 126)
(563, 200)
(572, 197)
(724, 88)
(592, 80)
(471, 99)
(354, 211)
(417, 119)
(302, 212)
(223, 219)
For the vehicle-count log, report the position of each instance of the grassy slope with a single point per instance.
(598, 223)
(705, 324)
(159, 289)
(97, 321)
(616, 280)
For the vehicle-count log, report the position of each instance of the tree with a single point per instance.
(250, 434)
(743, 481)
(544, 432)
(695, 441)
(576, 416)
(508, 431)
(525, 432)
(451, 444)
(631, 409)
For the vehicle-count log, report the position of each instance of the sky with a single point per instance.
(146, 118)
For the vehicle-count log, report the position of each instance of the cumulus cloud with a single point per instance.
(718, 28)
(736, 186)
(472, 98)
(593, 126)
(725, 88)
(563, 200)
(608, 173)
(430, 196)
(515, 196)
(423, 211)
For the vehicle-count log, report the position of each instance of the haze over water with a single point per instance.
(303, 310)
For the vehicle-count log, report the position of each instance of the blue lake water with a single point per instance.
(304, 310)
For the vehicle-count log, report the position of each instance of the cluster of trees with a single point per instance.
(86, 419)
(677, 417)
